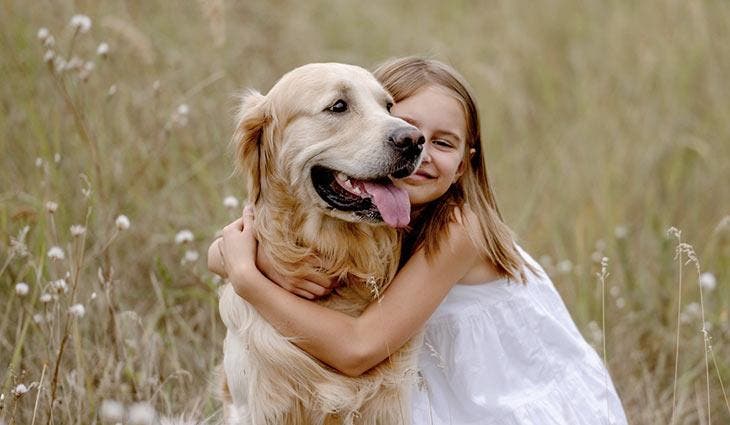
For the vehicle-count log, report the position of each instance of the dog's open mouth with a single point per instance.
(374, 200)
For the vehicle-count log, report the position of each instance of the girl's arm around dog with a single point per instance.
(350, 344)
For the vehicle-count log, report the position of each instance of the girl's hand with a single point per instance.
(310, 287)
(238, 247)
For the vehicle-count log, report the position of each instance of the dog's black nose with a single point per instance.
(407, 139)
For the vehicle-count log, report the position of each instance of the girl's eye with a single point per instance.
(338, 107)
(443, 143)
(388, 106)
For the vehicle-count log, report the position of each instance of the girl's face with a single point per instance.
(441, 119)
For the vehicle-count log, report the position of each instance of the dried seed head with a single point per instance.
(56, 253)
(191, 256)
(102, 50)
(51, 207)
(184, 236)
(112, 411)
(22, 289)
(43, 33)
(142, 414)
(122, 222)
(81, 23)
(77, 310)
(708, 281)
(230, 202)
(77, 230)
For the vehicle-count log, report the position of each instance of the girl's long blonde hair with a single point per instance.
(403, 77)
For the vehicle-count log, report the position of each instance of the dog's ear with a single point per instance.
(252, 119)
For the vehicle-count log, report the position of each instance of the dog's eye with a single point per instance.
(388, 106)
(339, 106)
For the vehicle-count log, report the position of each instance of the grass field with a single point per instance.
(607, 124)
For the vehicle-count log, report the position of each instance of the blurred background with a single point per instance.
(607, 126)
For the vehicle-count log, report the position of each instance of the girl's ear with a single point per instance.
(252, 118)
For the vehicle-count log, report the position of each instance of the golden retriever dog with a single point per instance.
(318, 153)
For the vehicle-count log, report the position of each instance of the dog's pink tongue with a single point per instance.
(392, 202)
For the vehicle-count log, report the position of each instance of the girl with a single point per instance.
(500, 346)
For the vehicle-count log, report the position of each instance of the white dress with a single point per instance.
(504, 353)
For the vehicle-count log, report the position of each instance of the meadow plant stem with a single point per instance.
(38, 395)
(83, 132)
(719, 377)
(706, 339)
(7, 263)
(56, 369)
(679, 316)
(604, 275)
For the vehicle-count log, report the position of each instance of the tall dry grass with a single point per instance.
(607, 123)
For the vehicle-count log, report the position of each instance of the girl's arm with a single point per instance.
(350, 344)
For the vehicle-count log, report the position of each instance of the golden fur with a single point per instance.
(279, 138)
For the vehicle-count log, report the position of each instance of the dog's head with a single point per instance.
(324, 134)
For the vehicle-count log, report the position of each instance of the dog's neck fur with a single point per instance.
(302, 242)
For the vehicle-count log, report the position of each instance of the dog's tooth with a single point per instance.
(357, 190)
(341, 177)
(347, 184)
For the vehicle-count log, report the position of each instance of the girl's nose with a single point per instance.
(426, 154)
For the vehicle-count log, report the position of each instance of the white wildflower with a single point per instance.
(112, 90)
(22, 289)
(191, 256)
(112, 411)
(620, 302)
(156, 85)
(141, 414)
(49, 42)
(614, 291)
(51, 207)
(595, 333)
(180, 116)
(102, 50)
(230, 202)
(77, 310)
(56, 253)
(43, 33)
(546, 260)
(184, 236)
(77, 230)
(597, 256)
(38, 318)
(122, 222)
(708, 281)
(47, 58)
(59, 64)
(74, 63)
(690, 312)
(20, 390)
(38, 159)
(621, 232)
(565, 266)
(45, 298)
(93, 296)
(59, 285)
(81, 23)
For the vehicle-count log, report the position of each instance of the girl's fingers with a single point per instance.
(311, 287)
(322, 280)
